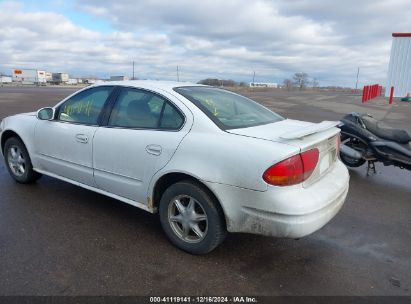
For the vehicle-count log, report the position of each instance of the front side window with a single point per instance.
(144, 110)
(84, 107)
(228, 110)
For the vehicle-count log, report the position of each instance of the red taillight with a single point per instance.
(293, 170)
(310, 160)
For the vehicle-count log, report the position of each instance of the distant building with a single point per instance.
(263, 85)
(399, 69)
(49, 77)
(29, 76)
(72, 81)
(60, 78)
(41, 77)
(118, 78)
(5, 79)
(89, 80)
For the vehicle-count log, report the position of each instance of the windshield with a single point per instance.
(228, 110)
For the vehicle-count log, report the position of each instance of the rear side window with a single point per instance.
(84, 107)
(171, 119)
(141, 109)
(226, 109)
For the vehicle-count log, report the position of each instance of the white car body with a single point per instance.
(127, 164)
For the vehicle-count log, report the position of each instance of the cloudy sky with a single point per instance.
(222, 39)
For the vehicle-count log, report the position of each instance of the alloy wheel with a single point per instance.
(187, 218)
(16, 161)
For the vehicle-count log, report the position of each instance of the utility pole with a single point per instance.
(253, 76)
(356, 83)
(37, 78)
(178, 75)
(133, 71)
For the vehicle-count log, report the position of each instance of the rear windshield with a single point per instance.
(228, 110)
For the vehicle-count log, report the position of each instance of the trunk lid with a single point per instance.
(304, 135)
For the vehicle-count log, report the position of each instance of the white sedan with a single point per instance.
(207, 160)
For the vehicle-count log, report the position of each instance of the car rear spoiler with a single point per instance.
(305, 131)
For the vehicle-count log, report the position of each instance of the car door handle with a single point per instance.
(154, 149)
(81, 138)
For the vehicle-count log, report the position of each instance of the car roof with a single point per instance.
(149, 84)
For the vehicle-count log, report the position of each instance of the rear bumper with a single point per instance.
(291, 212)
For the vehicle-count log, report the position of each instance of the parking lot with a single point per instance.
(59, 239)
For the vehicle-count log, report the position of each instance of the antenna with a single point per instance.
(178, 75)
(253, 76)
(133, 71)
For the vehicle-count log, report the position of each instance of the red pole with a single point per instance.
(391, 94)
(363, 95)
(368, 93)
(367, 89)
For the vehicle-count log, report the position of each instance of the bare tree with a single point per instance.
(211, 82)
(218, 82)
(288, 84)
(314, 83)
(301, 80)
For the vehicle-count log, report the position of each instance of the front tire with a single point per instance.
(18, 162)
(191, 218)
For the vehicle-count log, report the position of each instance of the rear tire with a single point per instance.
(191, 218)
(18, 162)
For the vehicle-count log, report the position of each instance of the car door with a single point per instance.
(142, 133)
(64, 145)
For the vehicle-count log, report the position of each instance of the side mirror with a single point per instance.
(45, 114)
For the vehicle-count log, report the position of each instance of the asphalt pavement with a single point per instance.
(59, 239)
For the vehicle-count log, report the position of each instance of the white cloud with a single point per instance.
(228, 39)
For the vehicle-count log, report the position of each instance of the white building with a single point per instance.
(41, 77)
(5, 79)
(29, 76)
(263, 85)
(399, 69)
(49, 76)
(118, 78)
(89, 80)
(72, 81)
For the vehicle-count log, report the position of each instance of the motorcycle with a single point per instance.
(365, 139)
